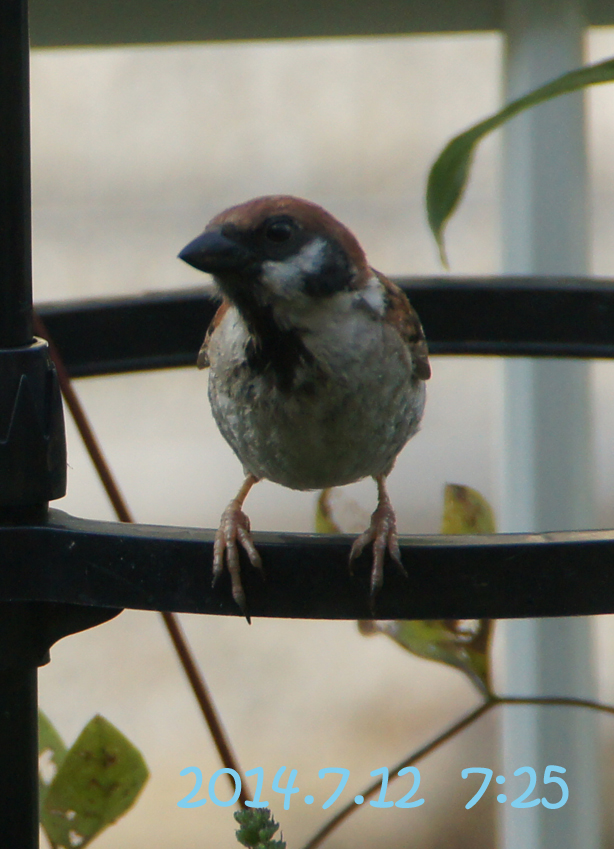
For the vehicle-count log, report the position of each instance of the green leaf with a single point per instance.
(466, 511)
(462, 643)
(324, 522)
(257, 827)
(51, 753)
(448, 175)
(98, 780)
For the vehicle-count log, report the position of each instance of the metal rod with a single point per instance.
(150, 567)
(15, 213)
(507, 316)
(19, 814)
(19, 748)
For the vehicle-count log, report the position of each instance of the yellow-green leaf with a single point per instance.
(448, 176)
(462, 643)
(465, 511)
(324, 522)
(98, 780)
(51, 753)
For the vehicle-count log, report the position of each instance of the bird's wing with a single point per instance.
(202, 361)
(403, 317)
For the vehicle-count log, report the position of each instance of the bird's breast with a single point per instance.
(351, 405)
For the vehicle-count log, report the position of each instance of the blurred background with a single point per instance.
(134, 149)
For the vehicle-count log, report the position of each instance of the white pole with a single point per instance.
(547, 478)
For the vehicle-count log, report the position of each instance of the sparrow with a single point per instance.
(317, 365)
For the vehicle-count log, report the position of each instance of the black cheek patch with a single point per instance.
(335, 275)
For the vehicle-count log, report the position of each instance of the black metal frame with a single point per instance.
(505, 316)
(61, 574)
(63, 560)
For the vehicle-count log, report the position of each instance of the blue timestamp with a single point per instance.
(285, 786)
(523, 800)
(288, 789)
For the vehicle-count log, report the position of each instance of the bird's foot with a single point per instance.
(382, 532)
(234, 527)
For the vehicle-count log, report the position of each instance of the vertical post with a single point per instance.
(19, 757)
(18, 672)
(32, 440)
(547, 434)
(15, 227)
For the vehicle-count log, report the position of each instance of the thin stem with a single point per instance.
(123, 513)
(372, 789)
(204, 699)
(563, 701)
(84, 427)
(491, 701)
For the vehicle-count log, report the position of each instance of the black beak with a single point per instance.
(215, 253)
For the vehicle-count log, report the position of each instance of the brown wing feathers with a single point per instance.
(402, 315)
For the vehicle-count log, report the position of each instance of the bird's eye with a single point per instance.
(279, 231)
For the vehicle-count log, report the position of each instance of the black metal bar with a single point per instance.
(85, 562)
(507, 316)
(32, 443)
(19, 748)
(108, 336)
(15, 262)
(27, 630)
(18, 675)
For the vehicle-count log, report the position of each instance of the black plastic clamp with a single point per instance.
(32, 438)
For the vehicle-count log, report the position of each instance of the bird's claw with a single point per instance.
(234, 527)
(382, 532)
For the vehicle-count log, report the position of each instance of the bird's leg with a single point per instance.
(234, 525)
(382, 532)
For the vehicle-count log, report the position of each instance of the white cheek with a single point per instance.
(285, 278)
(373, 295)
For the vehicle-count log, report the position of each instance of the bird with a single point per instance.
(317, 365)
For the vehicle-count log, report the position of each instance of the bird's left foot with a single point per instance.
(382, 532)
(235, 528)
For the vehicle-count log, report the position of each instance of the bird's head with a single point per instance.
(278, 253)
